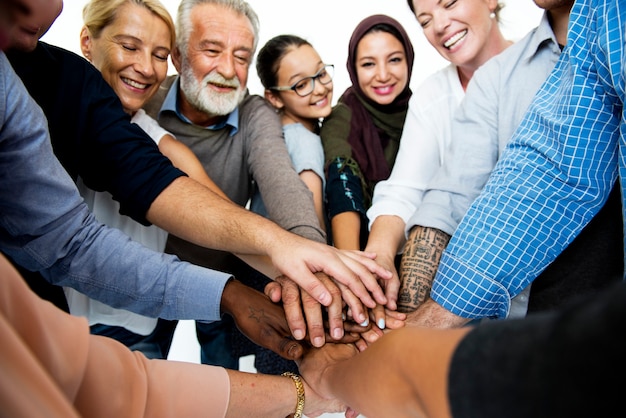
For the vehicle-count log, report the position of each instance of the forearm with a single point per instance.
(288, 200)
(149, 283)
(386, 236)
(158, 388)
(386, 239)
(257, 395)
(346, 228)
(183, 158)
(410, 367)
(314, 184)
(50, 229)
(344, 194)
(260, 263)
(192, 212)
(75, 250)
(419, 264)
(59, 364)
(540, 195)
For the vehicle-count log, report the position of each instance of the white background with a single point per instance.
(327, 24)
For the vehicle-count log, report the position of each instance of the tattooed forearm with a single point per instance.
(420, 259)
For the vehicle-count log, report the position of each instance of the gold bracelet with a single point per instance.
(300, 390)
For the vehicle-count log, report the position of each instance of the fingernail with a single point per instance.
(292, 349)
(325, 298)
(318, 341)
(343, 316)
(381, 323)
(337, 333)
(298, 334)
(364, 323)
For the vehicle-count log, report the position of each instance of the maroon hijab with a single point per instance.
(373, 125)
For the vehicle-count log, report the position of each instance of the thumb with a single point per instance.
(290, 349)
(273, 291)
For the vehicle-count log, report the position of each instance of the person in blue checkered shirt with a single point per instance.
(554, 176)
(556, 173)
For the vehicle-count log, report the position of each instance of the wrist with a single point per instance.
(300, 395)
(229, 296)
(329, 376)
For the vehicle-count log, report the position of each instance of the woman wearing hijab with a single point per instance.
(361, 136)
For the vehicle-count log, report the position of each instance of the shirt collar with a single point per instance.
(543, 36)
(171, 104)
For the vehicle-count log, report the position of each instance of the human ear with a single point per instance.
(274, 99)
(176, 57)
(85, 42)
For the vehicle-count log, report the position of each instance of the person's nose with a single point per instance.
(382, 72)
(319, 88)
(145, 65)
(441, 21)
(226, 66)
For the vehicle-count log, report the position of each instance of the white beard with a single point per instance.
(206, 99)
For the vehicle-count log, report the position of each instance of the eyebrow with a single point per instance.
(299, 76)
(126, 37)
(211, 42)
(422, 14)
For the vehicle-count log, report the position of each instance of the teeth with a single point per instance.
(450, 42)
(224, 86)
(321, 102)
(134, 83)
(384, 89)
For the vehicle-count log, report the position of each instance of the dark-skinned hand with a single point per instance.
(259, 319)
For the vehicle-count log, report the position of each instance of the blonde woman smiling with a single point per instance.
(130, 42)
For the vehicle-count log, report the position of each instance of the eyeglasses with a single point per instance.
(305, 86)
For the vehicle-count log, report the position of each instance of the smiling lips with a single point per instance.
(454, 39)
(322, 102)
(222, 86)
(135, 84)
(31, 30)
(383, 90)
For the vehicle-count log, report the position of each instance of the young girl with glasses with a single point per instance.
(298, 84)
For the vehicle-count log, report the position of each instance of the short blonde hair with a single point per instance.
(98, 14)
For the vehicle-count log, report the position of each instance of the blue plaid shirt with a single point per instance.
(554, 176)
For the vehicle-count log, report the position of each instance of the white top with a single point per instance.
(494, 104)
(425, 136)
(106, 210)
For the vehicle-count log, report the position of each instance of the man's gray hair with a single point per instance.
(183, 20)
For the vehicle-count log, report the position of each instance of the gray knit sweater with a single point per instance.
(255, 154)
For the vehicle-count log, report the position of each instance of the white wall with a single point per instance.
(327, 24)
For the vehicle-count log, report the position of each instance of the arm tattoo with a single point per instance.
(420, 259)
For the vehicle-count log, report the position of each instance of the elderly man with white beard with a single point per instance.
(237, 137)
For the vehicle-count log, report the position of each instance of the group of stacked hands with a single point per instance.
(66, 123)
